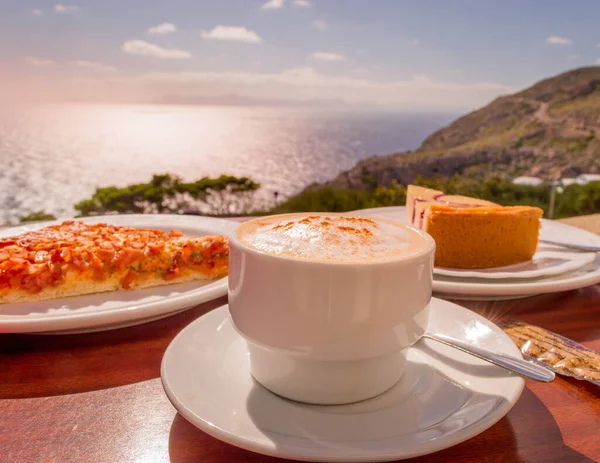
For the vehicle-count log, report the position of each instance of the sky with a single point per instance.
(404, 54)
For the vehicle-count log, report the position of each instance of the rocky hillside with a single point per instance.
(549, 130)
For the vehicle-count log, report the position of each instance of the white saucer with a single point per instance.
(117, 309)
(546, 273)
(445, 396)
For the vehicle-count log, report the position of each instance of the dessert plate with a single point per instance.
(117, 309)
(445, 396)
(548, 260)
(462, 286)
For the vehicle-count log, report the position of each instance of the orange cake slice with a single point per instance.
(472, 233)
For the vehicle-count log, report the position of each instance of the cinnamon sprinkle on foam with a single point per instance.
(332, 238)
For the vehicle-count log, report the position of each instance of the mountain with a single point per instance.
(550, 130)
(240, 100)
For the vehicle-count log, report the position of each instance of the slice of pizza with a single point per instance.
(74, 258)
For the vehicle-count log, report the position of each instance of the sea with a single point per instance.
(52, 156)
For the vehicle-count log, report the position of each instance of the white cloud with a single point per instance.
(139, 47)
(163, 28)
(38, 62)
(37, 12)
(94, 66)
(308, 83)
(325, 56)
(65, 8)
(598, 61)
(573, 57)
(557, 40)
(415, 41)
(277, 4)
(320, 24)
(273, 5)
(232, 33)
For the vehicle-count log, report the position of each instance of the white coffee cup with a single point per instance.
(329, 329)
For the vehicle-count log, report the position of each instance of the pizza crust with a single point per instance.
(81, 287)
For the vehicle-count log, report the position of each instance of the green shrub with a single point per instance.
(226, 195)
(578, 200)
(166, 193)
(326, 199)
(36, 217)
(332, 199)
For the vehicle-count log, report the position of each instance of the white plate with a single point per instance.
(547, 261)
(445, 396)
(110, 310)
(508, 288)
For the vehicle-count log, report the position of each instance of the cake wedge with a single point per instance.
(471, 233)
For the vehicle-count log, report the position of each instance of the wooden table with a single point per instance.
(97, 398)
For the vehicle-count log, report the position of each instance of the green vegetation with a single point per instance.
(36, 217)
(583, 107)
(575, 200)
(227, 196)
(571, 145)
(166, 193)
(532, 139)
(506, 138)
(331, 199)
(579, 200)
(503, 119)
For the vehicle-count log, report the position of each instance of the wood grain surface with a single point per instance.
(97, 397)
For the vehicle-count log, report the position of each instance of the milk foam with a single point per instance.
(331, 238)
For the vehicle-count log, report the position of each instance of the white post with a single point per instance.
(552, 200)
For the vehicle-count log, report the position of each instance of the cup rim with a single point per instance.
(429, 250)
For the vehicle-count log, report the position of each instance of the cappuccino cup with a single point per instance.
(329, 304)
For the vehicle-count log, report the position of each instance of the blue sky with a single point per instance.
(437, 54)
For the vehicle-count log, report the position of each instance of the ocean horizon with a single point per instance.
(56, 155)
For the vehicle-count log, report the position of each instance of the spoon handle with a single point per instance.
(581, 247)
(514, 364)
